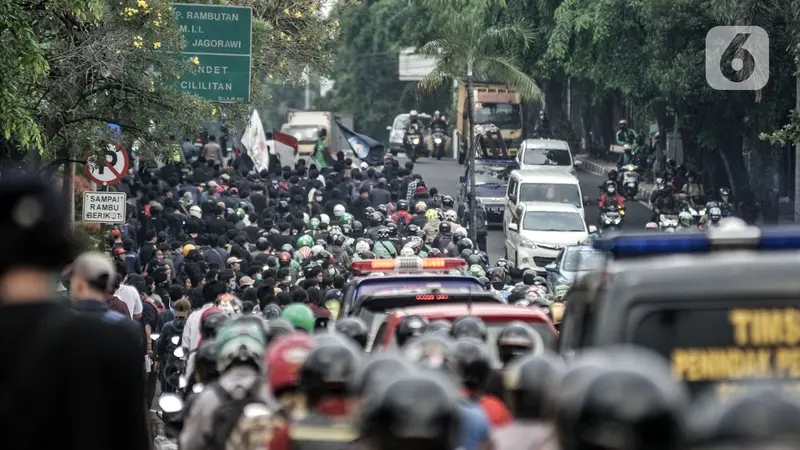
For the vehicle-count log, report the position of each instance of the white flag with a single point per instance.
(255, 141)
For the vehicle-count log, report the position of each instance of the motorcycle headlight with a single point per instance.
(438, 140)
(608, 221)
(617, 220)
(415, 140)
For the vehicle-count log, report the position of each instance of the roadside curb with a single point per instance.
(643, 196)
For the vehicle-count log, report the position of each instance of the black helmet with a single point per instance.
(393, 229)
(469, 326)
(413, 411)
(212, 323)
(474, 259)
(205, 361)
(428, 351)
(278, 327)
(528, 277)
(380, 368)
(383, 210)
(368, 211)
(629, 390)
(383, 233)
(612, 175)
(444, 227)
(358, 228)
(531, 383)
(448, 202)
(330, 368)
(465, 244)
(439, 326)
(714, 423)
(402, 205)
(410, 327)
(517, 339)
(484, 282)
(354, 328)
(470, 360)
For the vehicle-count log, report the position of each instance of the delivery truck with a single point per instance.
(304, 126)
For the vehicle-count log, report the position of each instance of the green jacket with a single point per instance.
(384, 249)
(319, 154)
(626, 138)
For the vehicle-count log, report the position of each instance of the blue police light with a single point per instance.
(638, 245)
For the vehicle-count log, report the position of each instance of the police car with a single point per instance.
(722, 306)
(409, 281)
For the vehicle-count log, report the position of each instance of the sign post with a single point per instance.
(221, 39)
(104, 207)
(110, 167)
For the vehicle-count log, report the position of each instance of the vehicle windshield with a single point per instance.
(722, 347)
(553, 221)
(583, 260)
(550, 192)
(546, 157)
(305, 134)
(503, 115)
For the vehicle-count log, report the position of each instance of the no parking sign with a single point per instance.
(110, 166)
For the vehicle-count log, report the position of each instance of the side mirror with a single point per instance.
(578, 163)
(389, 128)
(550, 267)
(513, 227)
(592, 229)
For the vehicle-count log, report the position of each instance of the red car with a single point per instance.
(496, 316)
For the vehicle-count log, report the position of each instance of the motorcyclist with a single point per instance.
(517, 340)
(624, 134)
(714, 217)
(438, 126)
(663, 201)
(692, 187)
(413, 127)
(611, 197)
(410, 327)
(542, 129)
(444, 238)
(685, 222)
(402, 214)
(725, 202)
(325, 376)
(531, 387)
(383, 247)
(284, 357)
(354, 328)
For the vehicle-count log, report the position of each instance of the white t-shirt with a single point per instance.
(130, 296)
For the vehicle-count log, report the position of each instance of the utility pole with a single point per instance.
(473, 204)
(307, 80)
(797, 159)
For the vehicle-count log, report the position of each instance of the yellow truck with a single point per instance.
(493, 103)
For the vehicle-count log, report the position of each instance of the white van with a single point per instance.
(542, 186)
(548, 154)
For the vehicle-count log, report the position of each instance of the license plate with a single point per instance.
(495, 209)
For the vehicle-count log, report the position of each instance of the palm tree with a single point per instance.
(467, 45)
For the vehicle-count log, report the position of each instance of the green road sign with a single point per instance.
(221, 38)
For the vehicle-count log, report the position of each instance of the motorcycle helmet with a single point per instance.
(450, 215)
(324, 218)
(300, 316)
(444, 227)
(613, 175)
(368, 211)
(465, 254)
(284, 358)
(278, 327)
(330, 368)
(284, 259)
(407, 251)
(460, 233)
(383, 210)
(383, 233)
(362, 246)
(471, 362)
(503, 264)
(685, 218)
(378, 369)
(474, 260)
(435, 253)
(714, 214)
(531, 383)
(393, 230)
(240, 342)
(402, 205)
(540, 281)
(475, 270)
(345, 218)
(211, 321)
(358, 228)
(421, 207)
(271, 311)
(517, 339)
(610, 187)
(465, 244)
(354, 328)
(412, 230)
(305, 241)
(431, 215)
(469, 326)
(448, 202)
(528, 277)
(376, 219)
(413, 114)
(410, 327)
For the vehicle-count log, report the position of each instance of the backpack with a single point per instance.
(158, 306)
(227, 415)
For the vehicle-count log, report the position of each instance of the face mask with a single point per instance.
(258, 277)
(611, 190)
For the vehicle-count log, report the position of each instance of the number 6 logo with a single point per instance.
(737, 58)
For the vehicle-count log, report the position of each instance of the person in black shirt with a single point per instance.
(70, 380)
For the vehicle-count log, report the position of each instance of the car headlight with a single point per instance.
(527, 243)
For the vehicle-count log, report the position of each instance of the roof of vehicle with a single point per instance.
(495, 161)
(550, 207)
(542, 176)
(553, 144)
(482, 310)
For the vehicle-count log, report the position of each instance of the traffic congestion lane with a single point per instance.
(445, 174)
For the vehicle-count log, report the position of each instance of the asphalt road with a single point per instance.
(444, 175)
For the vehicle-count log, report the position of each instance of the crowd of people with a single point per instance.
(222, 290)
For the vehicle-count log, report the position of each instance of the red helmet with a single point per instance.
(284, 357)
(284, 258)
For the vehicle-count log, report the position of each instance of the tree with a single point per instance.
(466, 44)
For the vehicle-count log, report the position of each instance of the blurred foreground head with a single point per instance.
(620, 398)
(34, 225)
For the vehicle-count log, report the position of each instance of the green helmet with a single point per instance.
(240, 213)
(300, 316)
(305, 241)
(466, 253)
(239, 342)
(476, 271)
(561, 291)
(346, 219)
(313, 224)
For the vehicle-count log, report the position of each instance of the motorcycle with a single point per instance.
(611, 218)
(630, 181)
(414, 146)
(667, 223)
(438, 137)
(694, 206)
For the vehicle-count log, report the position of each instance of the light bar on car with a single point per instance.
(739, 238)
(407, 264)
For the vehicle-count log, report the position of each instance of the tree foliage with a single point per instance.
(69, 67)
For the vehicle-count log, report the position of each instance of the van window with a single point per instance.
(547, 157)
(551, 192)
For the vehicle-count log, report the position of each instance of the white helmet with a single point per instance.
(316, 249)
(413, 113)
(306, 218)
(325, 219)
(407, 251)
(364, 166)
(338, 210)
(195, 211)
(450, 215)
(460, 231)
(362, 246)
